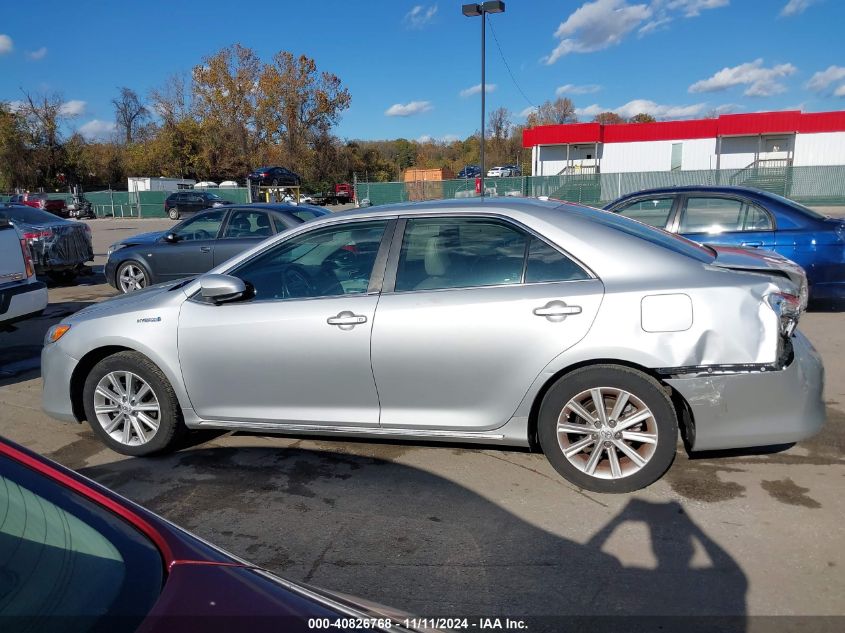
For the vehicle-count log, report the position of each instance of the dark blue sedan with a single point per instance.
(739, 216)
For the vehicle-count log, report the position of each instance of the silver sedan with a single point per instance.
(508, 322)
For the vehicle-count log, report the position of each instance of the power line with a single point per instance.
(505, 61)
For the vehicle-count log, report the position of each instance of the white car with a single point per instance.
(498, 172)
(21, 295)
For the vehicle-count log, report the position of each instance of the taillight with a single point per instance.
(27, 259)
(788, 309)
(37, 235)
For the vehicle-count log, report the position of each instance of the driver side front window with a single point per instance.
(203, 227)
(332, 261)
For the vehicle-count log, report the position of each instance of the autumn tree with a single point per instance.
(297, 104)
(642, 117)
(129, 113)
(561, 110)
(608, 118)
(42, 117)
(499, 126)
(14, 153)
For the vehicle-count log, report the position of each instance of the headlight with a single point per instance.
(55, 333)
(788, 309)
(113, 248)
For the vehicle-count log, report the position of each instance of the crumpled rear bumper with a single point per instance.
(757, 408)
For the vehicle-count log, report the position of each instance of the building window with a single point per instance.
(677, 155)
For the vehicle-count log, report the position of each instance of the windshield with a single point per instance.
(27, 215)
(213, 196)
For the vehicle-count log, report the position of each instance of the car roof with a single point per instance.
(729, 189)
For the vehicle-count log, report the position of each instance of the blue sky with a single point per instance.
(406, 64)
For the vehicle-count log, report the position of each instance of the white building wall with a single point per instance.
(657, 155)
(827, 148)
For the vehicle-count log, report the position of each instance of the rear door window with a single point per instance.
(714, 215)
(247, 223)
(652, 211)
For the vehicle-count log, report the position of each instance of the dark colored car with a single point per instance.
(187, 202)
(740, 216)
(470, 171)
(199, 243)
(41, 201)
(75, 556)
(274, 176)
(59, 247)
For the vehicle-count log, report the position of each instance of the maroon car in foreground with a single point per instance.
(75, 556)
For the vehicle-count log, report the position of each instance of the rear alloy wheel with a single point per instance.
(173, 214)
(131, 277)
(130, 405)
(608, 428)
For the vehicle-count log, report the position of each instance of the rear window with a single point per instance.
(27, 215)
(62, 556)
(656, 236)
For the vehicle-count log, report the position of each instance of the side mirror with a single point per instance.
(221, 288)
(172, 238)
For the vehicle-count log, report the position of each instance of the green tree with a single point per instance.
(642, 117)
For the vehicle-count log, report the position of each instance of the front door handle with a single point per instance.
(557, 311)
(752, 244)
(346, 320)
(205, 249)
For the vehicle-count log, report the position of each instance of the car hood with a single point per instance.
(146, 299)
(764, 262)
(143, 238)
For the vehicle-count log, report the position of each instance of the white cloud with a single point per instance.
(408, 109)
(6, 45)
(597, 25)
(796, 7)
(637, 106)
(420, 16)
(761, 82)
(822, 80)
(692, 8)
(476, 89)
(527, 111)
(840, 91)
(74, 107)
(97, 129)
(14, 106)
(601, 24)
(35, 55)
(572, 89)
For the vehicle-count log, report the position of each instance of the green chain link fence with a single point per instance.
(817, 185)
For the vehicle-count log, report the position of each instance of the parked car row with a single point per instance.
(504, 171)
(41, 201)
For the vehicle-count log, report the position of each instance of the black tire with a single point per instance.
(614, 377)
(171, 425)
(173, 213)
(122, 268)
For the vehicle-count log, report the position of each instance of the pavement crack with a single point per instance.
(319, 560)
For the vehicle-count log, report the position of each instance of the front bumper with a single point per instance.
(109, 271)
(56, 370)
(757, 408)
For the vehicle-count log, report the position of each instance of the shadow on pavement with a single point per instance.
(401, 536)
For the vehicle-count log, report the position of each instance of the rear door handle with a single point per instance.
(752, 244)
(346, 320)
(557, 311)
(205, 249)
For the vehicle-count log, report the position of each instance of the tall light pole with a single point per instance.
(472, 11)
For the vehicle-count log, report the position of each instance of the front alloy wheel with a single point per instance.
(608, 428)
(131, 277)
(127, 408)
(131, 405)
